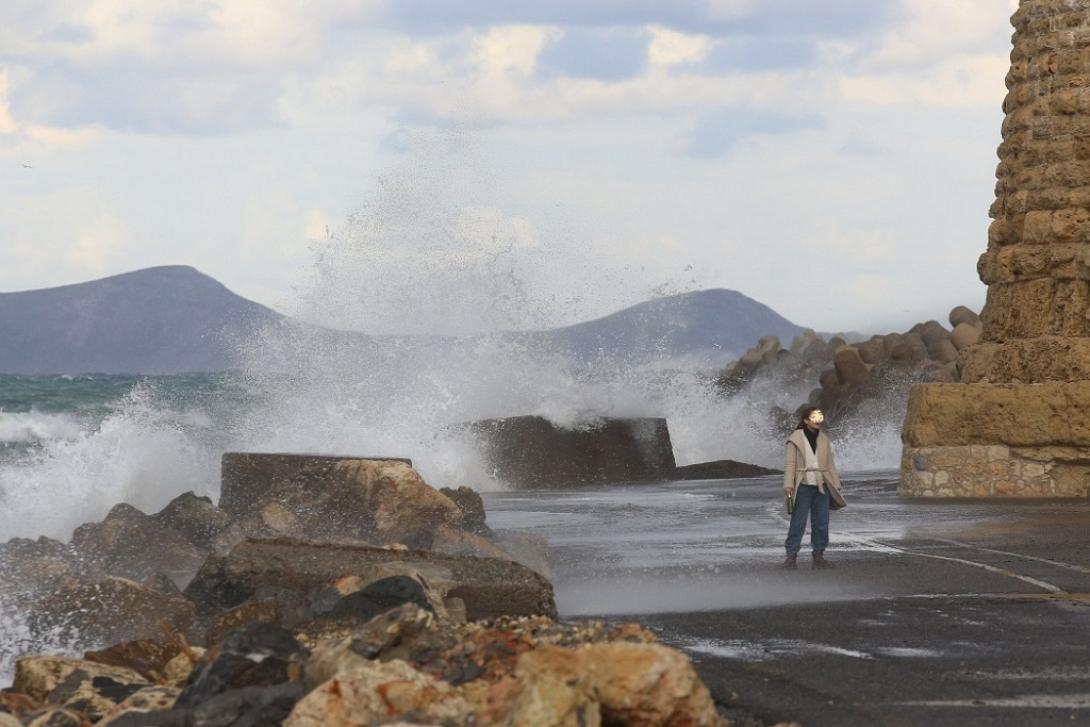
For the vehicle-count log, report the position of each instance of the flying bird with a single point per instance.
(27, 166)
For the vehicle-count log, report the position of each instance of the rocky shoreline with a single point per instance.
(341, 593)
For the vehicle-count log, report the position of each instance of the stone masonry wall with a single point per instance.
(1018, 424)
(1037, 265)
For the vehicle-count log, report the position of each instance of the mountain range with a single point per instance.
(175, 319)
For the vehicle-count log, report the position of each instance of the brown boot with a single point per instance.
(820, 562)
(792, 562)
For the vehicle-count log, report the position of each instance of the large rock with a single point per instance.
(38, 676)
(247, 477)
(92, 694)
(471, 504)
(373, 692)
(634, 684)
(109, 610)
(194, 518)
(29, 566)
(256, 568)
(255, 655)
(131, 544)
(964, 335)
(850, 368)
(374, 501)
(147, 657)
(723, 469)
(531, 452)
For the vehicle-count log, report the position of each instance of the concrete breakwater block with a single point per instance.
(722, 469)
(246, 476)
(529, 452)
(489, 587)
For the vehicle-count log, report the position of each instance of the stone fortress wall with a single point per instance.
(1018, 423)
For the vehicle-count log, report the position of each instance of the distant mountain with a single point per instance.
(175, 319)
(712, 325)
(168, 319)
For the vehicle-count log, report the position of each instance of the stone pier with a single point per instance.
(1018, 423)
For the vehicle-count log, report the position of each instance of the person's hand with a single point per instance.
(788, 490)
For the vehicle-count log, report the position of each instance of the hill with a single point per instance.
(175, 319)
(159, 320)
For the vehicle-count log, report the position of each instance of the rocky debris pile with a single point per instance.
(408, 664)
(132, 575)
(850, 380)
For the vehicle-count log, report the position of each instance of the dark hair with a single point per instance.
(804, 414)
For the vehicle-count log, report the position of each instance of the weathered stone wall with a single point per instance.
(1019, 423)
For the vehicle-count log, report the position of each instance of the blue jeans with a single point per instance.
(815, 505)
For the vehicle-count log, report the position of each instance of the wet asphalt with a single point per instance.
(937, 613)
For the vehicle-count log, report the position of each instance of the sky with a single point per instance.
(440, 166)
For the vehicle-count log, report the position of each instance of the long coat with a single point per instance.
(794, 468)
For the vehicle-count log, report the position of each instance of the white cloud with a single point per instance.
(669, 47)
(964, 81)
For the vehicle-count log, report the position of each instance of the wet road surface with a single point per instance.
(938, 613)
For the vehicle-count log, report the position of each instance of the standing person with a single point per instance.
(810, 477)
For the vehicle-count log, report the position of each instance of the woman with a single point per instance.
(810, 477)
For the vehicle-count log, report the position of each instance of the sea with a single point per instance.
(71, 447)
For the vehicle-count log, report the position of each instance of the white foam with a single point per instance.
(33, 426)
(137, 454)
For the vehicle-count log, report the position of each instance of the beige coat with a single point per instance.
(794, 468)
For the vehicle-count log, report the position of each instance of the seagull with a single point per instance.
(27, 166)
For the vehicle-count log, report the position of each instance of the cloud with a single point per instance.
(835, 18)
(36, 137)
(614, 54)
(718, 132)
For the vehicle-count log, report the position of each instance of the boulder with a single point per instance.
(961, 315)
(15, 703)
(453, 541)
(158, 698)
(249, 706)
(722, 469)
(829, 379)
(109, 610)
(964, 335)
(872, 351)
(372, 501)
(131, 544)
(931, 332)
(850, 369)
(263, 610)
(246, 707)
(635, 684)
(803, 341)
(488, 586)
(177, 671)
(195, 518)
(903, 352)
(55, 717)
(147, 657)
(943, 351)
(371, 692)
(6, 720)
(531, 452)
(471, 504)
(29, 566)
(38, 676)
(247, 477)
(92, 695)
(254, 655)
